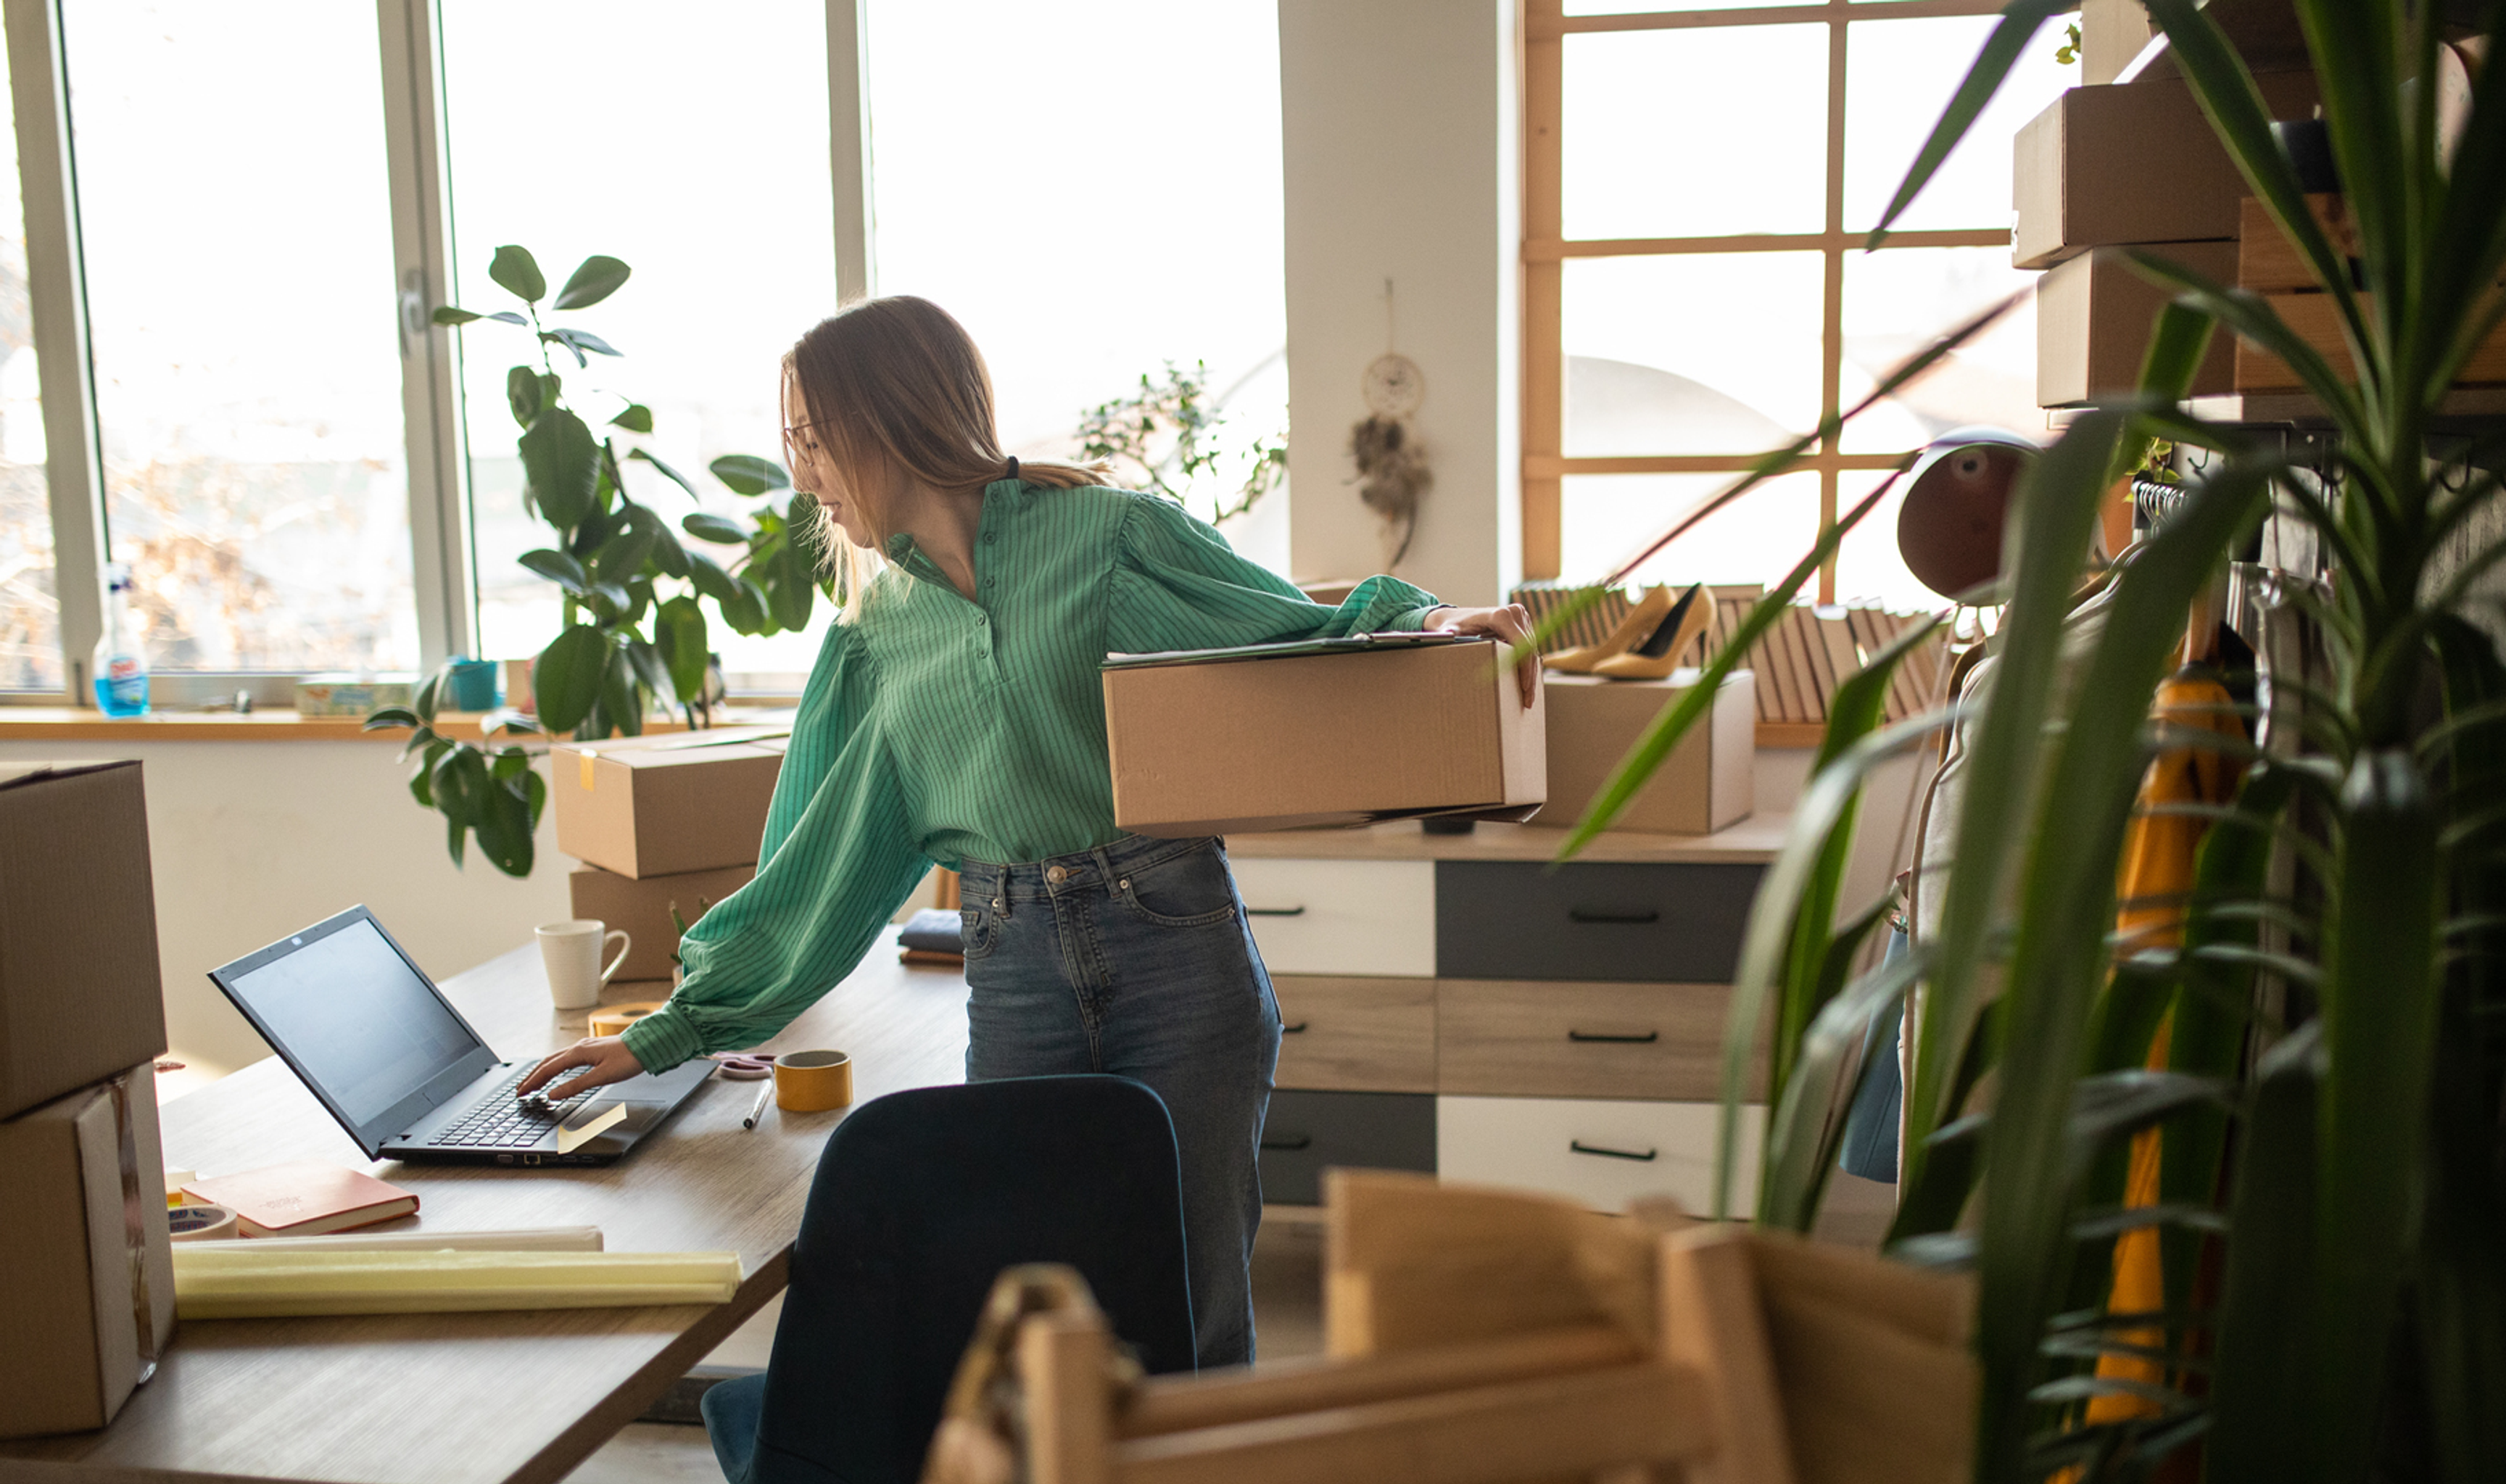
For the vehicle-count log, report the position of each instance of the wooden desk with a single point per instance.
(499, 1396)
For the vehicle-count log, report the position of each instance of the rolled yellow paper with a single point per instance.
(245, 1280)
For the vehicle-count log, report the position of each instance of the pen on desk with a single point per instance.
(757, 1109)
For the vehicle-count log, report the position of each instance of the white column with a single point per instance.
(1403, 161)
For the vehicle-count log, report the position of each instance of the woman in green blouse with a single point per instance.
(954, 716)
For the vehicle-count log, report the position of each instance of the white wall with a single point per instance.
(251, 840)
(1402, 161)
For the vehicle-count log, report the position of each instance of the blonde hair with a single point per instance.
(897, 384)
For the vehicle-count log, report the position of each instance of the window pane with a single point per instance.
(1607, 518)
(1900, 300)
(1898, 77)
(1869, 571)
(1085, 240)
(1707, 353)
(698, 155)
(1695, 132)
(30, 614)
(237, 221)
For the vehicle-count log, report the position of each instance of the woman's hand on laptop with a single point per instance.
(604, 1059)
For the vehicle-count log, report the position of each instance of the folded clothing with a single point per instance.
(248, 1280)
(932, 929)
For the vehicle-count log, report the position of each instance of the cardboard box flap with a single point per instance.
(15, 775)
(1349, 644)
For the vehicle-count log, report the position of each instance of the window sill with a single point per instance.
(65, 723)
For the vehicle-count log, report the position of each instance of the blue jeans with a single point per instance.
(1135, 959)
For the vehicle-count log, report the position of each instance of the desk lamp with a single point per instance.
(1948, 529)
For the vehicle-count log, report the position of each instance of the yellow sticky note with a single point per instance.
(568, 1139)
(584, 763)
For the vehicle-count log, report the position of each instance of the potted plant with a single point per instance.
(2335, 1153)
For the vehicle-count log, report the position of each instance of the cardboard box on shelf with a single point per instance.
(2130, 162)
(90, 1267)
(2094, 315)
(642, 907)
(2316, 320)
(1704, 784)
(661, 806)
(1333, 732)
(82, 995)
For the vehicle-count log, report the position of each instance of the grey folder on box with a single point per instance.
(1330, 732)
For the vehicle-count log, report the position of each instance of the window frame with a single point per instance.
(442, 555)
(1546, 249)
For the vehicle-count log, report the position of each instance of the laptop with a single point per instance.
(405, 1076)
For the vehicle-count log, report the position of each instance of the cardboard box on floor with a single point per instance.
(91, 1271)
(2094, 315)
(2130, 162)
(665, 805)
(642, 907)
(1707, 783)
(82, 995)
(1237, 740)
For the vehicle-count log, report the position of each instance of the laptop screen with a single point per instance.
(355, 1017)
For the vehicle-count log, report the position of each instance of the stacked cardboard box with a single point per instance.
(2115, 166)
(662, 823)
(2268, 263)
(90, 1272)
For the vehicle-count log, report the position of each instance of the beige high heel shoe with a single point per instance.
(1641, 619)
(1660, 651)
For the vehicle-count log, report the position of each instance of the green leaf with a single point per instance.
(1807, 1124)
(562, 468)
(565, 679)
(446, 314)
(522, 394)
(423, 789)
(557, 568)
(710, 580)
(595, 280)
(2018, 23)
(2177, 344)
(504, 826)
(667, 556)
(516, 271)
(622, 556)
(580, 341)
(2379, 1017)
(618, 692)
(429, 696)
(679, 637)
(746, 609)
(653, 672)
(389, 718)
(672, 475)
(637, 419)
(2262, 1391)
(704, 526)
(792, 587)
(748, 475)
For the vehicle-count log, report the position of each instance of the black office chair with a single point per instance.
(921, 1198)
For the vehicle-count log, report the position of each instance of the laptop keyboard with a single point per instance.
(500, 1120)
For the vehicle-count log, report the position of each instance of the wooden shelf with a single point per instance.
(1752, 840)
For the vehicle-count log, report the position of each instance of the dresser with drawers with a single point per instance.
(1452, 1003)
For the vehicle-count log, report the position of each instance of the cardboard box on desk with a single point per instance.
(82, 995)
(1707, 783)
(1330, 732)
(2094, 315)
(90, 1264)
(642, 907)
(2130, 162)
(660, 806)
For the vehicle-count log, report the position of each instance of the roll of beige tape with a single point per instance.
(200, 1224)
(812, 1082)
(614, 1019)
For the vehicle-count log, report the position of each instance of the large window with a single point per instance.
(252, 210)
(30, 612)
(1698, 185)
(236, 221)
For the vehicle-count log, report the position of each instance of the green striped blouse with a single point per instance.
(939, 729)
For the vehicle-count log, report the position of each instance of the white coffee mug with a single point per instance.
(571, 952)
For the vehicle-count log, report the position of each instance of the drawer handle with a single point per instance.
(1635, 918)
(1645, 1040)
(1299, 1028)
(1581, 1148)
(1302, 1142)
(1274, 911)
